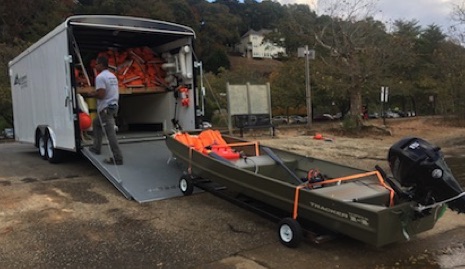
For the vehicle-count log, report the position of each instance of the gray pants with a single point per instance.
(107, 117)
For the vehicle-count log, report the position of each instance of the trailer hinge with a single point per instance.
(68, 58)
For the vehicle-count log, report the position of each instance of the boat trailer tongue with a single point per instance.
(425, 178)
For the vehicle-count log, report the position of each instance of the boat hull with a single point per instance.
(357, 209)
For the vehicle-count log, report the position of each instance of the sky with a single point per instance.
(425, 11)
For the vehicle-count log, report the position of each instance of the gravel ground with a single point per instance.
(70, 216)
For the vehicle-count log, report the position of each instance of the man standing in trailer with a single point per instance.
(107, 94)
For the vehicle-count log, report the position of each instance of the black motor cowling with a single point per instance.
(420, 166)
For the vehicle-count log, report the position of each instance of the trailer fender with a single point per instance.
(40, 132)
(53, 154)
(45, 141)
(40, 142)
(51, 135)
(44, 130)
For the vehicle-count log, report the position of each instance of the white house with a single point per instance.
(253, 45)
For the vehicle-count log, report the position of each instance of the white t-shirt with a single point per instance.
(108, 81)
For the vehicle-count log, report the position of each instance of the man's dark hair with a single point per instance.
(103, 61)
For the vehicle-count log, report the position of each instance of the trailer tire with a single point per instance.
(42, 145)
(186, 185)
(54, 155)
(290, 232)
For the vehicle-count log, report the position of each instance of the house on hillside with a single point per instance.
(254, 45)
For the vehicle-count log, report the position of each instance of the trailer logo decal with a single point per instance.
(21, 81)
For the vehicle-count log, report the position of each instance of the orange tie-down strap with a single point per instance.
(334, 180)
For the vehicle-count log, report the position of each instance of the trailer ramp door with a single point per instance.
(145, 175)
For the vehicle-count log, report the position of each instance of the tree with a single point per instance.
(288, 86)
(7, 53)
(403, 70)
(353, 40)
(27, 21)
(449, 60)
(216, 60)
(296, 28)
(212, 35)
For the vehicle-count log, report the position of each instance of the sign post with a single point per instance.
(384, 100)
(309, 55)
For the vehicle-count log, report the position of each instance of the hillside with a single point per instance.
(265, 66)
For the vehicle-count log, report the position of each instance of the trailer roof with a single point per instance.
(95, 31)
(129, 23)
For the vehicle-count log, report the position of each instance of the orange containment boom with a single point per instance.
(212, 140)
(135, 67)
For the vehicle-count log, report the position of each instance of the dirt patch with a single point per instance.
(367, 148)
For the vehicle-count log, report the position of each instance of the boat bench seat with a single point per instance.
(266, 166)
(254, 161)
(370, 192)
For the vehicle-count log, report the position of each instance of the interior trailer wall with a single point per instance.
(153, 112)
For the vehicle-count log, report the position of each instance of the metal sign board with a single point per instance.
(248, 99)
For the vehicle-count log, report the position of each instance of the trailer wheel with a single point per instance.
(42, 147)
(53, 155)
(186, 185)
(290, 232)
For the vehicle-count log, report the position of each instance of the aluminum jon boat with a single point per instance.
(366, 205)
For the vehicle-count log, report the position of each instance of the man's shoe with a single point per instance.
(113, 161)
(94, 150)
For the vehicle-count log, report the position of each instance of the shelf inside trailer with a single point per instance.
(126, 90)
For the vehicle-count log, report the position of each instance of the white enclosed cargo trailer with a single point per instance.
(49, 77)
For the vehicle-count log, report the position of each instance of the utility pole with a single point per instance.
(309, 55)
(384, 100)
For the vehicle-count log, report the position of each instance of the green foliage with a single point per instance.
(7, 53)
(356, 55)
(220, 118)
(288, 85)
(216, 60)
(26, 21)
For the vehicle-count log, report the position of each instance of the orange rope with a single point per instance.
(377, 173)
(189, 169)
(383, 183)
(296, 201)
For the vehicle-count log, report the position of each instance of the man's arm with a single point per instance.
(99, 93)
(100, 88)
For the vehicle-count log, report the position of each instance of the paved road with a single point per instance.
(69, 216)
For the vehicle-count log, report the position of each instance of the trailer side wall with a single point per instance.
(41, 92)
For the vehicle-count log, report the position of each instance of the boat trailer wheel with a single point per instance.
(290, 232)
(186, 185)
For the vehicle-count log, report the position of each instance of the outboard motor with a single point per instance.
(420, 166)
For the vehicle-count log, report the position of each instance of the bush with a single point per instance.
(220, 119)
